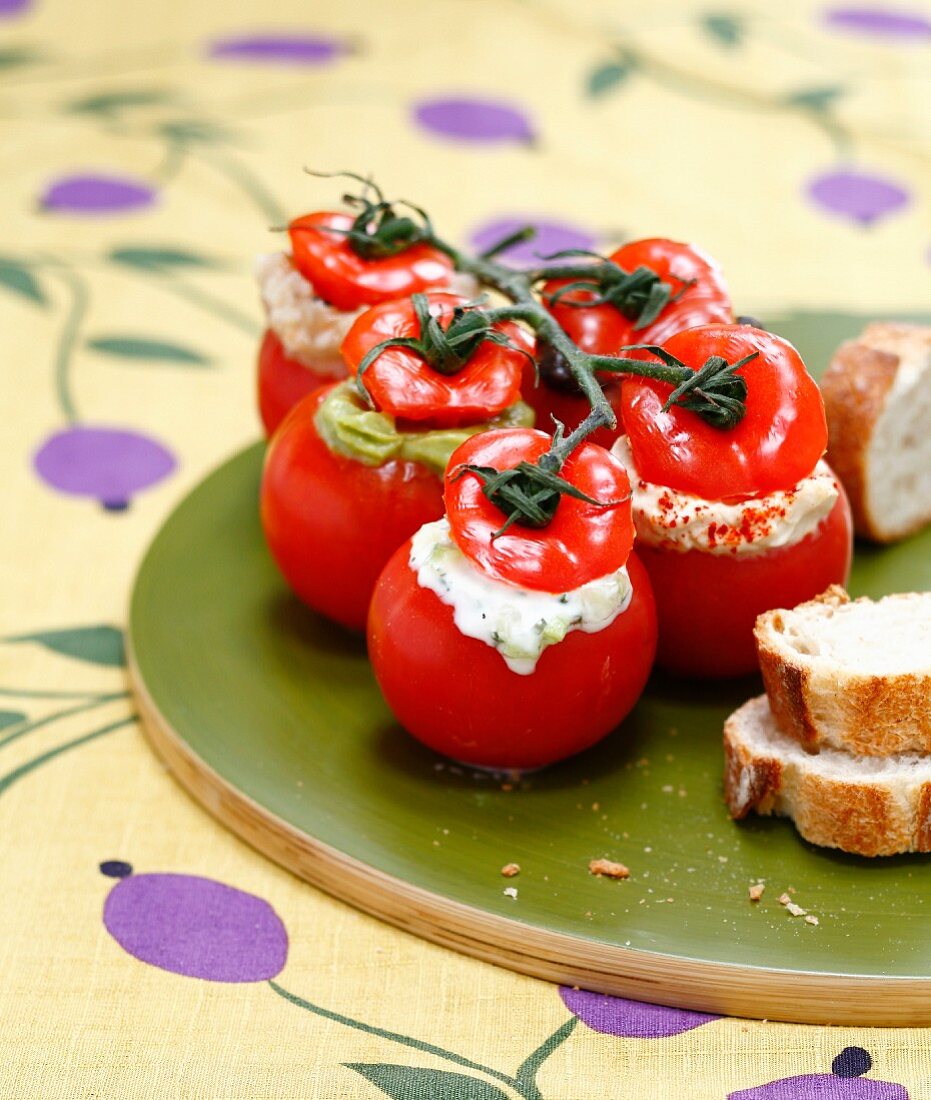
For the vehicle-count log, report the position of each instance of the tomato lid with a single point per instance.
(347, 280)
(776, 444)
(582, 541)
(404, 384)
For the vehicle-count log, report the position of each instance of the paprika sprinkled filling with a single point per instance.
(678, 521)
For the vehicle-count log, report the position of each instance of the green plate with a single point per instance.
(271, 717)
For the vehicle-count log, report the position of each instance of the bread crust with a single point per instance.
(867, 715)
(854, 388)
(867, 817)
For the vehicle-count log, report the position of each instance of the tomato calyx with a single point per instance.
(640, 295)
(445, 350)
(529, 493)
(378, 232)
(715, 391)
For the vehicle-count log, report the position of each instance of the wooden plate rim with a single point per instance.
(788, 995)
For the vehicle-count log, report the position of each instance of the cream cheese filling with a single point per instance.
(518, 622)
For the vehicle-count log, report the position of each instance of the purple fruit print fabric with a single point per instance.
(150, 151)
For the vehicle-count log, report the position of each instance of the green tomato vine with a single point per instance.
(530, 494)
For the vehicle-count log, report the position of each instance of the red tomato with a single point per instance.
(570, 408)
(598, 330)
(403, 384)
(346, 280)
(707, 603)
(331, 522)
(602, 330)
(456, 695)
(284, 381)
(582, 541)
(775, 445)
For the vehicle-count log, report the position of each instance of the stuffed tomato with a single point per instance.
(658, 288)
(732, 522)
(357, 467)
(313, 295)
(510, 646)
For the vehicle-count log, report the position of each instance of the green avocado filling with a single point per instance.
(350, 428)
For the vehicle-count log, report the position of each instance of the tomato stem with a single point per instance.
(530, 496)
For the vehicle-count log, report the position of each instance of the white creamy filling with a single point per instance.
(519, 622)
(679, 521)
(310, 329)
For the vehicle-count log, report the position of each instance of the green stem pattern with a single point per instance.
(39, 723)
(172, 161)
(207, 302)
(71, 330)
(247, 182)
(29, 693)
(524, 1081)
(528, 1069)
(393, 1036)
(14, 776)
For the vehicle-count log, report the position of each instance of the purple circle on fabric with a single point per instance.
(822, 1086)
(857, 195)
(14, 7)
(280, 49)
(630, 1019)
(96, 193)
(552, 236)
(474, 120)
(196, 927)
(108, 464)
(880, 22)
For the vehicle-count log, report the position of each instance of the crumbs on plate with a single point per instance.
(608, 868)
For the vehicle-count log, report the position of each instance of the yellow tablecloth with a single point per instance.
(148, 146)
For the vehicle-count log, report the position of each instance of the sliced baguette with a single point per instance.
(877, 397)
(871, 806)
(851, 674)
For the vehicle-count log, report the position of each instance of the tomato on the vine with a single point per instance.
(776, 444)
(581, 542)
(332, 522)
(346, 280)
(402, 384)
(698, 296)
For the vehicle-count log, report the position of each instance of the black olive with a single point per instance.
(555, 371)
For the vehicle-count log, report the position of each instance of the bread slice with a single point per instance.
(869, 805)
(877, 396)
(851, 674)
